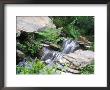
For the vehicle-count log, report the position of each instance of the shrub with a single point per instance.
(50, 35)
(30, 48)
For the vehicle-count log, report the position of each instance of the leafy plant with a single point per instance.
(73, 32)
(30, 48)
(48, 70)
(50, 35)
(38, 67)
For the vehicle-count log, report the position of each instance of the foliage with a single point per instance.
(38, 67)
(73, 32)
(62, 21)
(50, 35)
(30, 48)
(84, 24)
(89, 69)
(33, 43)
(48, 70)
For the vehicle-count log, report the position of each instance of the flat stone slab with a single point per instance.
(78, 59)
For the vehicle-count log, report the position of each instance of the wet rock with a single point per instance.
(50, 55)
(51, 46)
(70, 46)
(54, 47)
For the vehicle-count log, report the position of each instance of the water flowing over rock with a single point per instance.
(33, 23)
(69, 46)
(70, 56)
(49, 55)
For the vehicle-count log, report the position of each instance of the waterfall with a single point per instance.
(68, 46)
(50, 56)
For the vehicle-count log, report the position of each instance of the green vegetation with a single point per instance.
(73, 27)
(37, 67)
(30, 48)
(89, 69)
(51, 35)
(84, 24)
(33, 44)
(73, 32)
(76, 26)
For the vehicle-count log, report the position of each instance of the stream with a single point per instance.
(69, 46)
(51, 56)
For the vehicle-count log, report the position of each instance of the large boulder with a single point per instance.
(78, 59)
(33, 23)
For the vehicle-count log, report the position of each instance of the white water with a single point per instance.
(68, 47)
(50, 56)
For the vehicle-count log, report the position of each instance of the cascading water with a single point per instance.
(50, 56)
(69, 46)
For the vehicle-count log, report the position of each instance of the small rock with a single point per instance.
(54, 47)
(20, 53)
(73, 71)
(19, 56)
(63, 61)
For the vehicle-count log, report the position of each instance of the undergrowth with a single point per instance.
(89, 69)
(37, 67)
